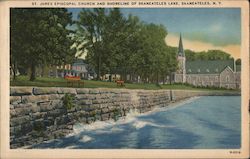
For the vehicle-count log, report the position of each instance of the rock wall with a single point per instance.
(39, 114)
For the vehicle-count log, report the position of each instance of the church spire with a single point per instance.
(180, 48)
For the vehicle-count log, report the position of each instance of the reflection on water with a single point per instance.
(201, 123)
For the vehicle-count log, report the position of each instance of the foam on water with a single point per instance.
(132, 117)
(78, 128)
(138, 124)
(86, 138)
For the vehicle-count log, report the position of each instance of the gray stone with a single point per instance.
(82, 113)
(104, 110)
(35, 99)
(68, 90)
(11, 106)
(27, 127)
(58, 134)
(104, 105)
(57, 104)
(46, 106)
(62, 120)
(82, 120)
(16, 145)
(92, 96)
(12, 130)
(95, 106)
(54, 97)
(35, 108)
(82, 96)
(105, 117)
(49, 121)
(72, 116)
(97, 101)
(13, 113)
(19, 120)
(17, 128)
(17, 91)
(39, 115)
(91, 120)
(56, 112)
(73, 109)
(94, 91)
(44, 90)
(23, 111)
(104, 91)
(85, 102)
(39, 125)
(15, 99)
(70, 127)
(82, 91)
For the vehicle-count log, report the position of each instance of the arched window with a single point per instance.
(227, 78)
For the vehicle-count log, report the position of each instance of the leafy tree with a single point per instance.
(207, 55)
(39, 36)
(91, 26)
(123, 45)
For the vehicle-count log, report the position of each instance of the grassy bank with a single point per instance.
(60, 82)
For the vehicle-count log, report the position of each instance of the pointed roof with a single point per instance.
(180, 48)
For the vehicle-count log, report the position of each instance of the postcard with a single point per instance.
(124, 79)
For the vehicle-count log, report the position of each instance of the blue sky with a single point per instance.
(217, 26)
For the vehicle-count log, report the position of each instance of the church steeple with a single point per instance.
(180, 48)
(181, 62)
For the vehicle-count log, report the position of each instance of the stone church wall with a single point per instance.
(203, 80)
(227, 79)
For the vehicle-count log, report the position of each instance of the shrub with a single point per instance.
(68, 101)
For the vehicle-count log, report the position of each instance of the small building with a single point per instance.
(79, 68)
(82, 69)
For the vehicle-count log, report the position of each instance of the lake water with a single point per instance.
(209, 122)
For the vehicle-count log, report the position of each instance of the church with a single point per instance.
(207, 73)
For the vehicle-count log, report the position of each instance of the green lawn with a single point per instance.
(60, 82)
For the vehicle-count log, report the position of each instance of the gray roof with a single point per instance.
(78, 62)
(208, 66)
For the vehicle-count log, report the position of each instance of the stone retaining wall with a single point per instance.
(39, 114)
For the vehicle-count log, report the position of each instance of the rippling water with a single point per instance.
(199, 123)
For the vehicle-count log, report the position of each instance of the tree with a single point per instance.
(123, 45)
(207, 55)
(91, 26)
(43, 39)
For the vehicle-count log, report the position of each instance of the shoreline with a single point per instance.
(130, 118)
(135, 113)
(40, 114)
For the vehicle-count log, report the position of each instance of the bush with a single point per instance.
(68, 101)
